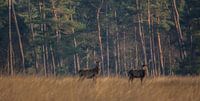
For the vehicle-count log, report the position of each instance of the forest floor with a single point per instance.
(105, 89)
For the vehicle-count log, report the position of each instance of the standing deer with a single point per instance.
(139, 73)
(89, 73)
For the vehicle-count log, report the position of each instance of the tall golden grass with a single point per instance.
(105, 89)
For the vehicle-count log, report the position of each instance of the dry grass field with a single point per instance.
(105, 89)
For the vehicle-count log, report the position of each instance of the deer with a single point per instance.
(138, 73)
(89, 73)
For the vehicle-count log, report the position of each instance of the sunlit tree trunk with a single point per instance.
(160, 48)
(179, 31)
(77, 60)
(99, 35)
(141, 34)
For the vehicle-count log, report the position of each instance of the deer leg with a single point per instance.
(81, 78)
(141, 80)
(130, 80)
(94, 79)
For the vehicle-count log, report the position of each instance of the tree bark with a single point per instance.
(53, 61)
(99, 35)
(141, 34)
(115, 57)
(142, 38)
(10, 63)
(44, 61)
(124, 50)
(107, 43)
(179, 31)
(160, 49)
(136, 49)
(19, 39)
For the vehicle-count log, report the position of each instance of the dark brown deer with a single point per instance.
(89, 73)
(139, 73)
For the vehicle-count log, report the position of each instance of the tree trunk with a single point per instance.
(151, 67)
(141, 34)
(124, 49)
(177, 24)
(44, 61)
(117, 45)
(76, 57)
(160, 49)
(153, 49)
(87, 58)
(107, 44)
(19, 38)
(142, 38)
(99, 35)
(115, 57)
(136, 50)
(53, 61)
(10, 63)
(107, 51)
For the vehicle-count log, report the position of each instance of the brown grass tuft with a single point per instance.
(105, 89)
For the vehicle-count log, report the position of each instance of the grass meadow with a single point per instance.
(105, 89)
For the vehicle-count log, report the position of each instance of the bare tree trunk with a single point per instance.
(76, 57)
(44, 61)
(99, 35)
(124, 49)
(115, 57)
(142, 38)
(48, 70)
(150, 38)
(107, 51)
(117, 45)
(160, 49)
(177, 24)
(87, 58)
(136, 49)
(153, 49)
(53, 61)
(118, 53)
(107, 44)
(19, 38)
(10, 63)
(141, 34)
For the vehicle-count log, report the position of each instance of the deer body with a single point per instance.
(89, 73)
(140, 73)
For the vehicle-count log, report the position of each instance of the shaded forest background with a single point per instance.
(59, 37)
